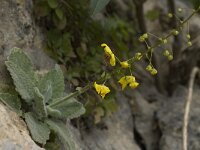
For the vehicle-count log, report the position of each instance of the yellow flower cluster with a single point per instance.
(101, 89)
(128, 80)
(125, 81)
(109, 53)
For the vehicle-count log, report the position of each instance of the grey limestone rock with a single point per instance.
(14, 134)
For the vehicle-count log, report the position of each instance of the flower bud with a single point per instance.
(188, 36)
(170, 57)
(154, 71)
(189, 43)
(166, 53)
(138, 56)
(149, 68)
(164, 41)
(141, 39)
(180, 10)
(170, 15)
(175, 32)
(145, 36)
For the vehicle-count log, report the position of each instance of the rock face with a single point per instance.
(14, 134)
(171, 118)
(118, 134)
(17, 30)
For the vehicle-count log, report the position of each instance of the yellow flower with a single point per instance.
(101, 89)
(128, 80)
(124, 81)
(109, 53)
(124, 64)
(107, 49)
(112, 60)
(134, 85)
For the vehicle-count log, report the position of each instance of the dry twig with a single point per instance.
(187, 108)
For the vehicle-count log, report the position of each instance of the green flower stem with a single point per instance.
(166, 37)
(72, 95)
(75, 94)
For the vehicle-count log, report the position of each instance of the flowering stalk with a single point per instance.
(129, 80)
(166, 37)
(75, 94)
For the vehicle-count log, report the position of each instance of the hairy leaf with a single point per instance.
(39, 130)
(48, 92)
(53, 112)
(98, 5)
(12, 101)
(56, 79)
(68, 109)
(22, 73)
(40, 103)
(63, 133)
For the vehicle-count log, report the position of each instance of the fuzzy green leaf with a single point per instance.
(12, 101)
(68, 109)
(98, 5)
(63, 133)
(53, 3)
(40, 103)
(53, 112)
(56, 79)
(39, 130)
(48, 92)
(22, 73)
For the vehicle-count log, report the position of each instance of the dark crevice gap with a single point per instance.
(138, 138)
(158, 132)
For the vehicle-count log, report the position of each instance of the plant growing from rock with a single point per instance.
(42, 102)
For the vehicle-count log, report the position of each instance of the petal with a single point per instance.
(134, 85)
(124, 64)
(108, 51)
(112, 60)
(123, 82)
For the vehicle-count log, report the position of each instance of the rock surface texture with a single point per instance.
(118, 134)
(14, 134)
(171, 118)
